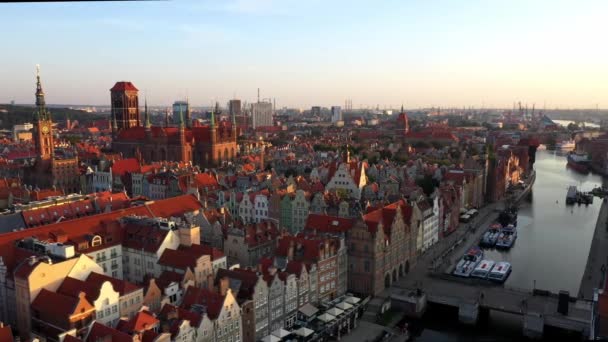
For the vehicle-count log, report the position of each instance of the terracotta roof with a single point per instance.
(56, 304)
(6, 335)
(211, 300)
(124, 166)
(73, 287)
(247, 281)
(326, 223)
(199, 250)
(175, 206)
(167, 277)
(182, 314)
(143, 320)
(180, 259)
(100, 332)
(121, 286)
(124, 86)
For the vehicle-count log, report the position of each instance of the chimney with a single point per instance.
(224, 282)
(290, 250)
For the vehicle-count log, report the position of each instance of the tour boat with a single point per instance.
(507, 237)
(579, 162)
(490, 236)
(500, 272)
(469, 261)
(483, 269)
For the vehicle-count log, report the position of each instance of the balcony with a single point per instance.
(114, 266)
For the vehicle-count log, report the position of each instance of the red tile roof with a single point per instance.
(213, 301)
(56, 304)
(121, 286)
(330, 224)
(175, 206)
(124, 86)
(124, 166)
(182, 314)
(72, 287)
(6, 335)
(144, 320)
(198, 250)
(100, 332)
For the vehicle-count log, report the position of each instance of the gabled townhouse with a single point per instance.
(221, 308)
(130, 295)
(185, 325)
(188, 259)
(173, 285)
(56, 315)
(102, 295)
(245, 245)
(144, 241)
(252, 295)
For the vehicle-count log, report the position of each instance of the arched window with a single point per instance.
(96, 241)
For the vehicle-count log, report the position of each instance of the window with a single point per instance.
(114, 308)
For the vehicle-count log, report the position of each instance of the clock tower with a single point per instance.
(43, 126)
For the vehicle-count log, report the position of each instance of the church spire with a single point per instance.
(41, 112)
(166, 117)
(146, 116)
(213, 117)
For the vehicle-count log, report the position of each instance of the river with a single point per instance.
(550, 252)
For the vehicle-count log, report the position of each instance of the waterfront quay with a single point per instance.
(597, 262)
(476, 298)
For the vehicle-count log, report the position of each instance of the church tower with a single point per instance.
(43, 126)
(125, 105)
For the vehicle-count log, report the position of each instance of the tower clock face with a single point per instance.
(45, 129)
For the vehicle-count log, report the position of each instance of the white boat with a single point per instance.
(490, 237)
(507, 237)
(469, 261)
(566, 145)
(500, 272)
(483, 269)
(541, 147)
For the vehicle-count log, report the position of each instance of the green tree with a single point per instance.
(427, 183)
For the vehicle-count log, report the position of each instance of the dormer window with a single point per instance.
(96, 241)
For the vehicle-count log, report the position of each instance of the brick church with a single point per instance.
(49, 170)
(206, 145)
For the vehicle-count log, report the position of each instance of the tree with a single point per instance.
(427, 183)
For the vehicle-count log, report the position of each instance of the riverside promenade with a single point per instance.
(597, 262)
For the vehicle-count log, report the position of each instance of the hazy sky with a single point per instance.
(311, 52)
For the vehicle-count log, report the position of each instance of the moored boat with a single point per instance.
(483, 269)
(490, 236)
(500, 272)
(579, 162)
(469, 261)
(507, 237)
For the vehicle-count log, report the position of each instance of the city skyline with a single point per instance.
(311, 53)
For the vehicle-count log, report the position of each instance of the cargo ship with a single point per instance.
(579, 162)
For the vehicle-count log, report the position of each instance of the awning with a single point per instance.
(344, 306)
(308, 310)
(280, 333)
(271, 338)
(304, 332)
(352, 300)
(335, 312)
(326, 317)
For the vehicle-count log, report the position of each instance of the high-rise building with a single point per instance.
(184, 108)
(234, 107)
(336, 114)
(315, 111)
(261, 114)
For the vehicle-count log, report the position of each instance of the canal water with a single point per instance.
(550, 252)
